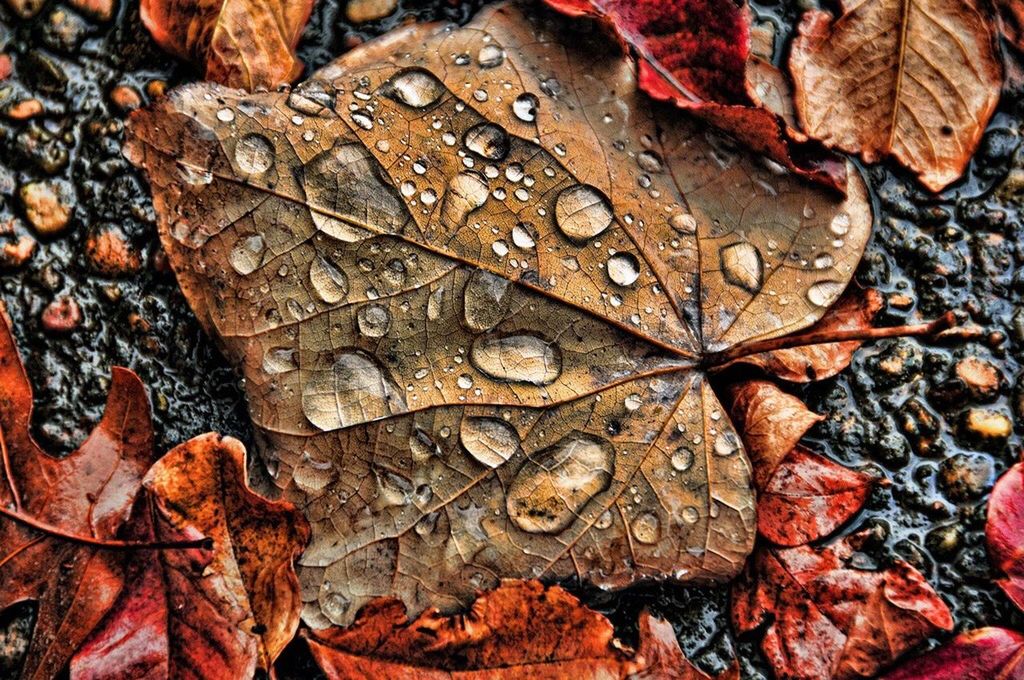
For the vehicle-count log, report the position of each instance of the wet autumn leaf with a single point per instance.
(917, 80)
(1011, 21)
(808, 497)
(88, 493)
(1004, 532)
(826, 618)
(202, 613)
(239, 43)
(472, 276)
(696, 54)
(520, 628)
(983, 654)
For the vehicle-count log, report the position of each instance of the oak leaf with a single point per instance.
(1004, 532)
(521, 628)
(240, 43)
(826, 618)
(982, 654)
(202, 613)
(473, 277)
(87, 494)
(696, 54)
(917, 80)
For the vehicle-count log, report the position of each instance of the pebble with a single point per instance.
(125, 98)
(965, 477)
(47, 205)
(987, 424)
(5, 66)
(24, 109)
(156, 88)
(26, 9)
(62, 315)
(18, 247)
(944, 541)
(110, 253)
(100, 10)
(361, 11)
(981, 378)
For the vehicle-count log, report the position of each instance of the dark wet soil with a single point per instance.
(899, 410)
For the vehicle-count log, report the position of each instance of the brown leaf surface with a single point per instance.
(87, 493)
(195, 613)
(917, 80)
(828, 619)
(521, 628)
(238, 43)
(470, 295)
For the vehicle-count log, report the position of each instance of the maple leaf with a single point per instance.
(202, 613)
(982, 654)
(825, 618)
(521, 627)
(474, 320)
(61, 515)
(696, 54)
(240, 43)
(917, 80)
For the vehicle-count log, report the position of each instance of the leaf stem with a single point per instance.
(103, 543)
(722, 358)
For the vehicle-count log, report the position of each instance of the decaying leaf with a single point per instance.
(696, 54)
(828, 619)
(198, 613)
(471, 276)
(808, 497)
(983, 654)
(1011, 21)
(239, 43)
(521, 628)
(1004, 532)
(88, 493)
(917, 80)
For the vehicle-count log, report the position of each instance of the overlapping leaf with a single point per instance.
(982, 654)
(471, 276)
(1004, 532)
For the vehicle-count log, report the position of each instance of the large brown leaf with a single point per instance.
(914, 79)
(471, 277)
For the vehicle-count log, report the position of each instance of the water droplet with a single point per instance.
(312, 475)
(646, 528)
(334, 607)
(428, 197)
(413, 87)
(480, 95)
(840, 224)
(392, 488)
(247, 254)
(225, 115)
(582, 212)
(466, 192)
(684, 223)
(525, 107)
(604, 521)
(824, 293)
(490, 56)
(742, 265)
(355, 389)
(465, 381)
(485, 300)
(691, 515)
(623, 269)
(312, 97)
(514, 172)
(435, 304)
(254, 154)
(500, 248)
(553, 486)
(517, 358)
(329, 283)
(363, 119)
(551, 87)
(524, 235)
(633, 402)
(279, 360)
(649, 161)
(373, 320)
(823, 261)
(489, 440)
(408, 189)
(487, 140)
(682, 459)
(726, 444)
(421, 446)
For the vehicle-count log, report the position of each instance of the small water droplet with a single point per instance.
(489, 440)
(524, 235)
(487, 140)
(684, 223)
(525, 107)
(363, 119)
(225, 115)
(312, 97)
(726, 444)
(279, 360)
(824, 293)
(490, 56)
(254, 154)
(823, 261)
(414, 87)
(247, 255)
(682, 459)
(485, 300)
(582, 212)
(691, 515)
(623, 269)
(840, 224)
(649, 161)
(373, 320)
(329, 283)
(646, 528)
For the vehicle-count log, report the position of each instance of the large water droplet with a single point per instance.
(487, 140)
(742, 266)
(373, 320)
(517, 358)
(356, 389)
(490, 440)
(824, 293)
(646, 528)
(684, 223)
(553, 486)
(582, 212)
(312, 97)
(726, 444)
(312, 474)
(254, 154)
(524, 235)
(491, 55)
(413, 87)
(485, 300)
(247, 254)
(525, 107)
(682, 459)
(335, 606)
(466, 192)
(329, 283)
(649, 161)
(623, 269)
(279, 360)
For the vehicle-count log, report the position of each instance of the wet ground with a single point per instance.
(899, 410)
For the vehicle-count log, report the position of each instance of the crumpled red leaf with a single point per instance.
(202, 614)
(982, 654)
(239, 43)
(520, 628)
(1004, 532)
(808, 497)
(695, 53)
(824, 618)
(88, 493)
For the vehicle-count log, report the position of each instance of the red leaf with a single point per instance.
(521, 629)
(824, 618)
(983, 654)
(1004, 532)
(695, 53)
(808, 498)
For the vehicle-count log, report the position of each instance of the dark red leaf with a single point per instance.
(983, 654)
(1004, 531)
